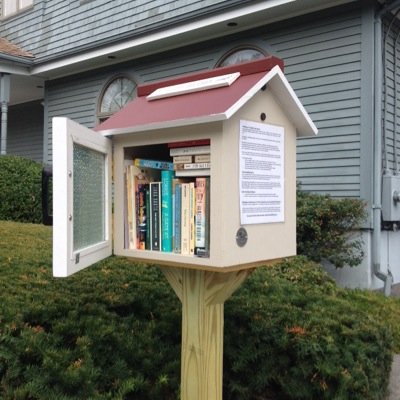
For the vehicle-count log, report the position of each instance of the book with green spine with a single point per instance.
(166, 210)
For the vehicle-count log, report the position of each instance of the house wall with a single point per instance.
(391, 106)
(25, 130)
(322, 55)
(51, 28)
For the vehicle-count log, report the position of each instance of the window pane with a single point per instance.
(89, 197)
(9, 7)
(25, 3)
(241, 56)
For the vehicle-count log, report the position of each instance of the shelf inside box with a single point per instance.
(167, 199)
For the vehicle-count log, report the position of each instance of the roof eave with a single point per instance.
(204, 119)
(286, 97)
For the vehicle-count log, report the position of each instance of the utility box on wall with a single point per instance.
(391, 198)
(207, 159)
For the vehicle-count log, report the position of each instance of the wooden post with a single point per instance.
(202, 294)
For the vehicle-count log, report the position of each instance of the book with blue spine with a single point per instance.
(156, 164)
(166, 210)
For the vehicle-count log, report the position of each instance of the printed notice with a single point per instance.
(261, 178)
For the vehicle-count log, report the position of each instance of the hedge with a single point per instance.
(113, 331)
(20, 189)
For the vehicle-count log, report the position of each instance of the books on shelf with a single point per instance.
(168, 203)
(137, 181)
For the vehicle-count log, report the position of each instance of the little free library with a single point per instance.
(201, 171)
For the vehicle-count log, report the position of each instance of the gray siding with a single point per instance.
(54, 27)
(391, 90)
(25, 130)
(322, 55)
(323, 63)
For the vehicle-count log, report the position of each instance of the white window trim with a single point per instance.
(19, 8)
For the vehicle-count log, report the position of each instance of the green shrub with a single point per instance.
(20, 189)
(292, 334)
(113, 331)
(327, 228)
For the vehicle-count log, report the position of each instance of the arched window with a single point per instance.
(240, 55)
(116, 94)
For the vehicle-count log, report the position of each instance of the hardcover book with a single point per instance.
(202, 158)
(189, 143)
(192, 172)
(180, 151)
(182, 159)
(181, 166)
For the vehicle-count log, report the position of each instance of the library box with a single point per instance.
(198, 171)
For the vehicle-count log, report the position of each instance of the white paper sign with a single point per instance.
(261, 177)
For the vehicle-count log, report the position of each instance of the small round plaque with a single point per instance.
(241, 237)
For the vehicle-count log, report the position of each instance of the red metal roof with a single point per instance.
(144, 112)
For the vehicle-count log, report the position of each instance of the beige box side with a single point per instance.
(265, 241)
(210, 131)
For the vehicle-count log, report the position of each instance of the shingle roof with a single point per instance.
(6, 47)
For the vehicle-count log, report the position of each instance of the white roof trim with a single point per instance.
(148, 39)
(194, 86)
(286, 97)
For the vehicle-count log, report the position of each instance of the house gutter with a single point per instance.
(387, 277)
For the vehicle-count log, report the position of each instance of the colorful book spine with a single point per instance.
(185, 219)
(182, 159)
(192, 213)
(189, 143)
(166, 210)
(180, 166)
(202, 158)
(200, 212)
(177, 216)
(144, 163)
(155, 209)
(142, 188)
(202, 216)
(148, 230)
(192, 172)
(130, 192)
